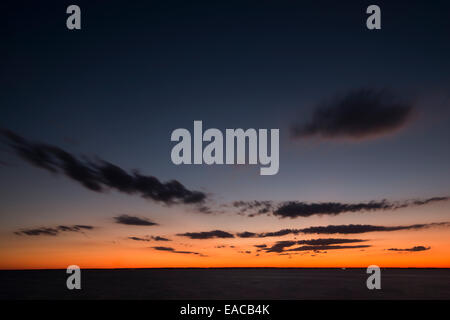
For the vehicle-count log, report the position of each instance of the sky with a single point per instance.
(86, 117)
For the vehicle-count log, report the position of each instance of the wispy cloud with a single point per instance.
(254, 207)
(364, 228)
(330, 229)
(53, 231)
(149, 238)
(413, 249)
(170, 249)
(340, 229)
(295, 209)
(327, 247)
(207, 234)
(260, 246)
(280, 246)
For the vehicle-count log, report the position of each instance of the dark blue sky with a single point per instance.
(138, 70)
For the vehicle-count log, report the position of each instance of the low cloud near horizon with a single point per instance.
(330, 229)
(53, 231)
(413, 249)
(207, 234)
(172, 250)
(295, 209)
(280, 246)
(149, 238)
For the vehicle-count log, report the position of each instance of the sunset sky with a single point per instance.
(86, 118)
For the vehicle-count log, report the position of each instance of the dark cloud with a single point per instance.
(53, 231)
(279, 246)
(221, 246)
(253, 208)
(164, 248)
(340, 229)
(38, 232)
(413, 249)
(149, 238)
(294, 209)
(279, 233)
(139, 239)
(364, 228)
(429, 200)
(328, 241)
(158, 238)
(169, 249)
(207, 234)
(359, 114)
(100, 175)
(133, 221)
(326, 247)
(247, 234)
(260, 245)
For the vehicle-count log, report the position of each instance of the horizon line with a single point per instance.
(165, 268)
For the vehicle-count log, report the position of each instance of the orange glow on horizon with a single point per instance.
(87, 253)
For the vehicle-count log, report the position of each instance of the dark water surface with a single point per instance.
(247, 283)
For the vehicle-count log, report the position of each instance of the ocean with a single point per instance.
(226, 284)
